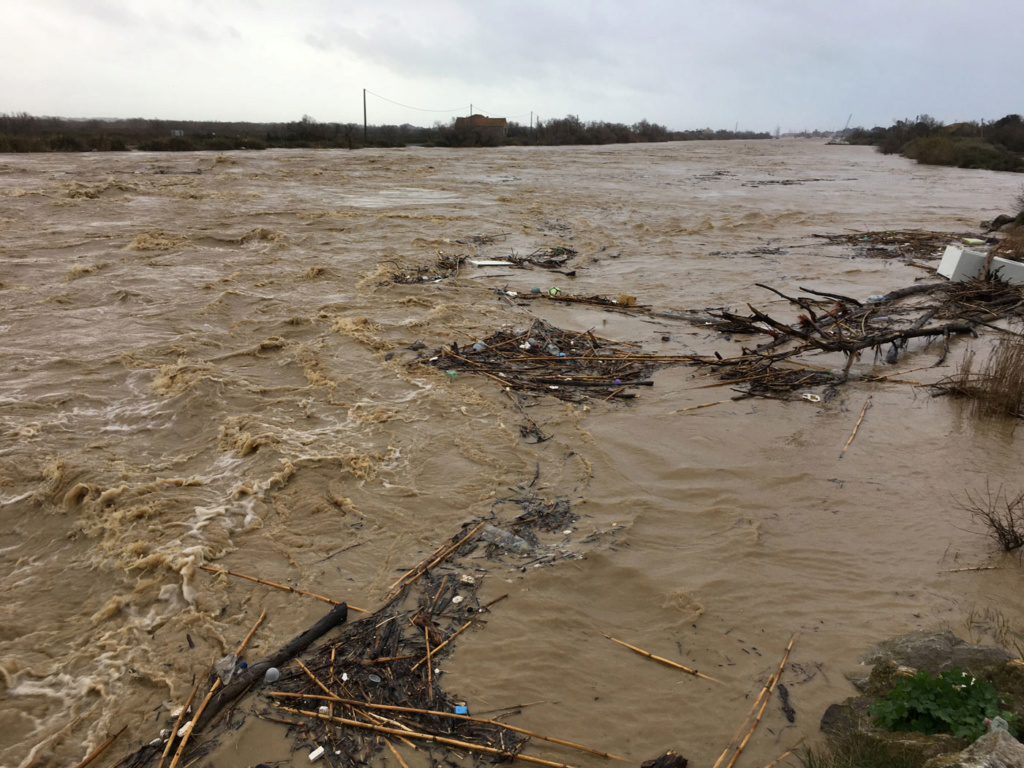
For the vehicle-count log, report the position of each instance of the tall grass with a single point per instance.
(997, 389)
(854, 751)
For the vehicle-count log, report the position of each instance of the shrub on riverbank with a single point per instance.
(996, 146)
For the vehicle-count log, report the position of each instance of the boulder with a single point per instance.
(997, 749)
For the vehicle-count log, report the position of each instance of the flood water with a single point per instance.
(195, 369)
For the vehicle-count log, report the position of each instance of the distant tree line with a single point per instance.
(26, 133)
(997, 146)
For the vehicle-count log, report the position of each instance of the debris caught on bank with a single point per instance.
(898, 244)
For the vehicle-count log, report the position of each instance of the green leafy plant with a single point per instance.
(950, 702)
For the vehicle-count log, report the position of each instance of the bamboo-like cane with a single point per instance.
(430, 671)
(410, 576)
(177, 724)
(426, 658)
(753, 727)
(667, 662)
(784, 755)
(452, 715)
(974, 568)
(394, 752)
(762, 699)
(99, 750)
(213, 690)
(856, 426)
(430, 737)
(739, 730)
(314, 678)
(284, 587)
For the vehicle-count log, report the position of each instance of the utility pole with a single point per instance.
(364, 117)
(470, 110)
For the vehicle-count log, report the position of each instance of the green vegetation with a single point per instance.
(997, 146)
(26, 133)
(950, 702)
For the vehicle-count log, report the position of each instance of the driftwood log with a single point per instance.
(255, 672)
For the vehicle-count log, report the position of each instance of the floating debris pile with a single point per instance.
(446, 266)
(542, 359)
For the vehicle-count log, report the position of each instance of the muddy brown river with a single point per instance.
(202, 363)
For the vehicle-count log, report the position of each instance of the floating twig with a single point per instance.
(856, 426)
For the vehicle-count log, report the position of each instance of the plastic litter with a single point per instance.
(316, 754)
(461, 709)
(811, 398)
(452, 374)
(373, 678)
(506, 540)
(997, 724)
(226, 668)
(554, 291)
(272, 675)
(479, 347)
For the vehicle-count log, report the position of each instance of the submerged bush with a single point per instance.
(1002, 514)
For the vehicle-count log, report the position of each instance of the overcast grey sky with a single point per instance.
(683, 63)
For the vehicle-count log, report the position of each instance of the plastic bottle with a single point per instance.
(479, 347)
(997, 724)
(505, 540)
(226, 668)
(552, 350)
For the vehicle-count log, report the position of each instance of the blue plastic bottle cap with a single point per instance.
(461, 710)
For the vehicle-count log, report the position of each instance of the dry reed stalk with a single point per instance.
(974, 568)
(856, 426)
(430, 671)
(177, 725)
(213, 690)
(453, 716)
(430, 737)
(314, 678)
(788, 752)
(753, 726)
(455, 634)
(743, 724)
(660, 660)
(442, 552)
(284, 587)
(762, 698)
(394, 752)
(99, 750)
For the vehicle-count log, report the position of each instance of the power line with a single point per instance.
(510, 117)
(418, 109)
